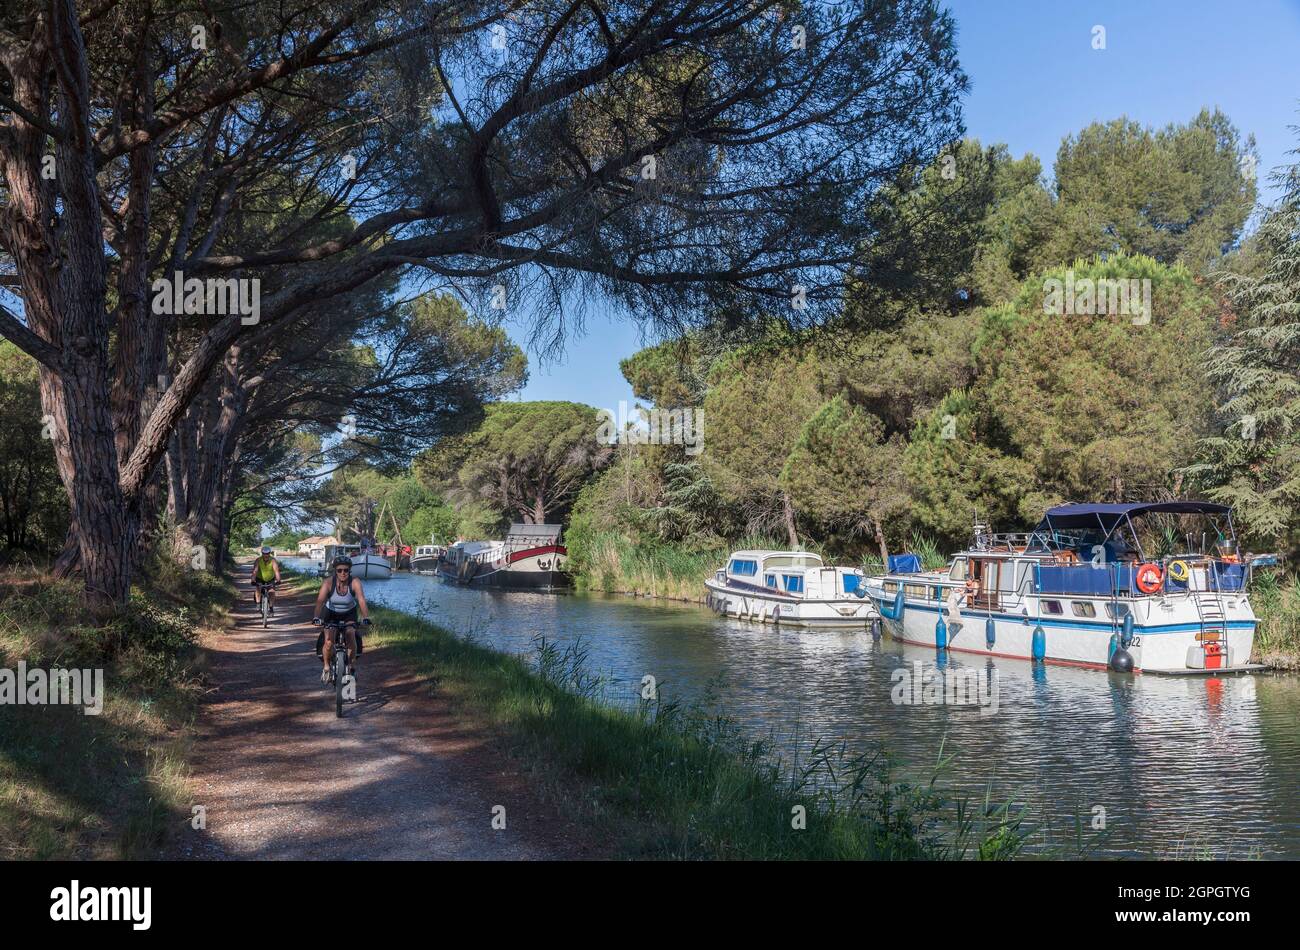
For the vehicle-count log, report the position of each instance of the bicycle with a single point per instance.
(264, 602)
(339, 668)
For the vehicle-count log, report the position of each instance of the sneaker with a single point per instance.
(325, 674)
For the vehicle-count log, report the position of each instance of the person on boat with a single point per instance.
(341, 596)
(266, 570)
(955, 597)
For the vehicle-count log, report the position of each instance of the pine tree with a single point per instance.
(1254, 464)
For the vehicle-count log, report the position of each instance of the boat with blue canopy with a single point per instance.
(1148, 586)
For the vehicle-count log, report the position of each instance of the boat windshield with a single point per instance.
(791, 560)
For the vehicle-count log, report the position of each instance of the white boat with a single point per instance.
(366, 564)
(530, 558)
(371, 567)
(790, 587)
(425, 558)
(1085, 588)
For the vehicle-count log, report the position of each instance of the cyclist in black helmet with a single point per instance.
(341, 595)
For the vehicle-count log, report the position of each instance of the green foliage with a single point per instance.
(1253, 463)
(33, 506)
(1180, 194)
(526, 460)
(844, 472)
(758, 400)
(438, 523)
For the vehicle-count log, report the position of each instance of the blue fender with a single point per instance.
(1040, 644)
(1127, 637)
(894, 611)
(1114, 645)
(941, 634)
(990, 632)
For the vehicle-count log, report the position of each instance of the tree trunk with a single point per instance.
(880, 539)
(788, 510)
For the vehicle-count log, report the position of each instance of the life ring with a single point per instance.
(1148, 578)
(1179, 571)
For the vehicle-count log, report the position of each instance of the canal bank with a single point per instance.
(1062, 744)
(662, 779)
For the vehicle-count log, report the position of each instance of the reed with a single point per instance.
(613, 563)
(1276, 601)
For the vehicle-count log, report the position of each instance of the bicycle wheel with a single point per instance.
(340, 670)
(266, 608)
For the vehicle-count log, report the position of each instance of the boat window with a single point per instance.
(770, 580)
(1052, 607)
(793, 583)
(958, 572)
(746, 568)
(936, 593)
(914, 590)
(1117, 611)
(1083, 608)
(793, 560)
(890, 586)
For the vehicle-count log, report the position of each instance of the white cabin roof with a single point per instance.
(764, 555)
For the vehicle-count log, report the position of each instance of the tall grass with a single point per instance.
(1276, 601)
(665, 780)
(612, 562)
(113, 785)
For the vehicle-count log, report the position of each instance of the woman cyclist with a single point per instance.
(341, 595)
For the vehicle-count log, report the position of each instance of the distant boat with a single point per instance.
(530, 558)
(790, 587)
(425, 559)
(369, 566)
(366, 564)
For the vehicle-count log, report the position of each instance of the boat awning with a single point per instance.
(1108, 516)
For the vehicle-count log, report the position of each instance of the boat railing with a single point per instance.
(1009, 542)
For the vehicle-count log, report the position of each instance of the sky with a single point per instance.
(1035, 78)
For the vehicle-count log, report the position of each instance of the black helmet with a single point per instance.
(342, 561)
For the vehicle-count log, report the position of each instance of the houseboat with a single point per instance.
(1158, 587)
(530, 558)
(790, 587)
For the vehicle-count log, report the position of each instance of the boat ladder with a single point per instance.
(1210, 609)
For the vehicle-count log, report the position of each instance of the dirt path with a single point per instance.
(398, 777)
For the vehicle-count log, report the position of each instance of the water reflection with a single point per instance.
(1180, 765)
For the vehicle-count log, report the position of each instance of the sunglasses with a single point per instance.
(342, 570)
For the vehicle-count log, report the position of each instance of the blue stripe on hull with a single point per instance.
(1095, 626)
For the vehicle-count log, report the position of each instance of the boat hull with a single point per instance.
(755, 605)
(424, 564)
(1156, 647)
(506, 578)
(370, 567)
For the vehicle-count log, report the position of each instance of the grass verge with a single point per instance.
(111, 785)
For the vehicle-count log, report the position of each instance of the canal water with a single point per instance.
(1182, 766)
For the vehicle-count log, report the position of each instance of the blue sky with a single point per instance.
(1035, 78)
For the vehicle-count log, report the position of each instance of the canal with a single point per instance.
(1182, 766)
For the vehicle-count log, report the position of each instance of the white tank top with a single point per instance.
(341, 603)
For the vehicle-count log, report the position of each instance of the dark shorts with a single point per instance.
(334, 616)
